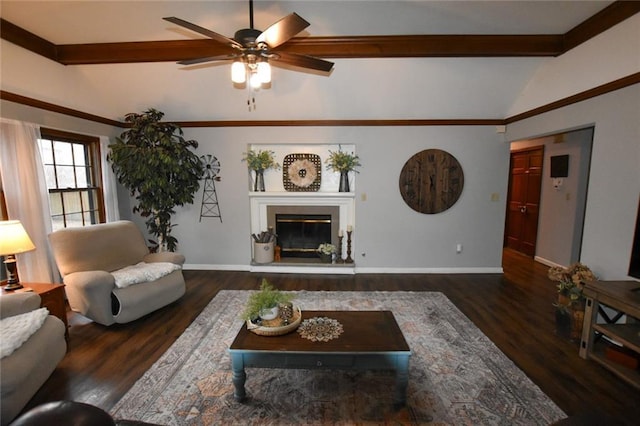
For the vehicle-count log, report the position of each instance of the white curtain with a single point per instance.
(109, 182)
(27, 196)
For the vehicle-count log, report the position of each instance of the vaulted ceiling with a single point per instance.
(89, 33)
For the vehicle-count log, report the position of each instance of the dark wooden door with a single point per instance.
(525, 179)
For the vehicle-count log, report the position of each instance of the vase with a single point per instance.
(569, 321)
(344, 182)
(577, 320)
(258, 185)
(269, 313)
(563, 323)
(325, 258)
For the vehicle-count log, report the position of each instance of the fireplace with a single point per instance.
(299, 235)
(339, 205)
(301, 229)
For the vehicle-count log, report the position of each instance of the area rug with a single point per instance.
(457, 376)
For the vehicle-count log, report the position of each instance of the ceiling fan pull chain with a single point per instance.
(251, 100)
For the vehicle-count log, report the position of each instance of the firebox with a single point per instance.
(299, 235)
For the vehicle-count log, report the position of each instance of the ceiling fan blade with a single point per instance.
(208, 59)
(283, 30)
(211, 34)
(303, 61)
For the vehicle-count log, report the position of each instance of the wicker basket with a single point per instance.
(275, 327)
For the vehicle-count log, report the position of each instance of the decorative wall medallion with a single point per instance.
(431, 181)
(302, 172)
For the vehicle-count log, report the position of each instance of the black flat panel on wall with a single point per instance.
(634, 265)
(560, 166)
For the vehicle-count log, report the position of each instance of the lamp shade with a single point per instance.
(13, 238)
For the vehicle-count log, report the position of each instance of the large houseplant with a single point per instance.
(156, 163)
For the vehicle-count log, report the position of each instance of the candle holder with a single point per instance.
(349, 259)
(339, 258)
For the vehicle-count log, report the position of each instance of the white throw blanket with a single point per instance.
(142, 273)
(16, 330)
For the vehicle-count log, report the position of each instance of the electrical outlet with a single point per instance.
(363, 196)
(458, 248)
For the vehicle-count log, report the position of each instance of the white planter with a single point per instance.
(269, 314)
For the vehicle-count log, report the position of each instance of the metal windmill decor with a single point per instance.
(210, 206)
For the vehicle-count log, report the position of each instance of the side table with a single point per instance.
(623, 299)
(52, 297)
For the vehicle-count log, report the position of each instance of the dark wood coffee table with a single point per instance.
(372, 340)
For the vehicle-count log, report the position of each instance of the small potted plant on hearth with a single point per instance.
(263, 305)
(326, 252)
(259, 161)
(343, 162)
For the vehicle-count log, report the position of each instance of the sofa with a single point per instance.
(24, 370)
(90, 257)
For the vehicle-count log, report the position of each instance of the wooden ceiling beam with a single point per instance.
(396, 46)
(608, 17)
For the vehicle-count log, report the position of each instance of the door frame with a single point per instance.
(508, 210)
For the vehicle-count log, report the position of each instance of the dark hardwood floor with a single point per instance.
(513, 309)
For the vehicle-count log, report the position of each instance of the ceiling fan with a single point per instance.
(255, 49)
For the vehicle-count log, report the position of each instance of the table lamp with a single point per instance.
(13, 240)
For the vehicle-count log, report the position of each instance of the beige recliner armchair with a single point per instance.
(86, 258)
(24, 371)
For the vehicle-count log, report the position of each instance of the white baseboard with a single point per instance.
(342, 270)
(547, 262)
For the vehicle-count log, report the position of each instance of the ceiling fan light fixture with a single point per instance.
(264, 72)
(254, 80)
(238, 72)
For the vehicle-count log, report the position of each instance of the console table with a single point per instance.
(622, 297)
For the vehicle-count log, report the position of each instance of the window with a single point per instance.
(72, 170)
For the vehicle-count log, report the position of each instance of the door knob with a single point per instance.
(523, 209)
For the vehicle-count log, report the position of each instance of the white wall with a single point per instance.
(607, 57)
(614, 180)
(393, 236)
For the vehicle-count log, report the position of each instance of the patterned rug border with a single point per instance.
(143, 400)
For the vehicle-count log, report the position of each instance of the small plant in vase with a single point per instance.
(263, 305)
(571, 301)
(343, 162)
(326, 251)
(259, 161)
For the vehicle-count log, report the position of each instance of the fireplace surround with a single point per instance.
(301, 229)
(265, 205)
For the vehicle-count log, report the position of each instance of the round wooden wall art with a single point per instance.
(431, 181)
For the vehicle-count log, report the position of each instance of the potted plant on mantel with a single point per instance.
(259, 161)
(570, 305)
(263, 305)
(343, 162)
(156, 164)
